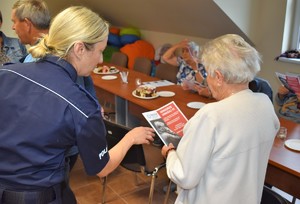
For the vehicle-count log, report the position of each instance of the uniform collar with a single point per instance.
(65, 65)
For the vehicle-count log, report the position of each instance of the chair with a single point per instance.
(261, 85)
(142, 64)
(119, 58)
(135, 160)
(167, 71)
(271, 197)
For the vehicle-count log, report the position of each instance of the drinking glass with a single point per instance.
(138, 81)
(282, 132)
(124, 76)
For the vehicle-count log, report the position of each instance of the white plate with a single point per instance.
(133, 93)
(166, 93)
(96, 71)
(195, 105)
(293, 144)
(109, 77)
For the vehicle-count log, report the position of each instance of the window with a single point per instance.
(291, 34)
(296, 27)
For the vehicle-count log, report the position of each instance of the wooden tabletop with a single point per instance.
(281, 156)
(124, 90)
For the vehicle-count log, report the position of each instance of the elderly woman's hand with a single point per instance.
(184, 43)
(141, 135)
(203, 91)
(186, 85)
(166, 149)
(282, 90)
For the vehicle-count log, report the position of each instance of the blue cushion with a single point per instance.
(128, 39)
(114, 40)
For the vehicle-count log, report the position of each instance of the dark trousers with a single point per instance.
(57, 194)
(68, 196)
(9, 194)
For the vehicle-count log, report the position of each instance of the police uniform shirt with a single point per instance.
(43, 113)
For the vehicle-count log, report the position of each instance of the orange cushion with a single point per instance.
(139, 48)
(114, 30)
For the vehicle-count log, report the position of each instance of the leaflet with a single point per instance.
(168, 122)
(290, 81)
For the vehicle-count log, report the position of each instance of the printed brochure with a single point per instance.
(290, 81)
(168, 122)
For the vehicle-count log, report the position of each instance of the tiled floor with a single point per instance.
(121, 187)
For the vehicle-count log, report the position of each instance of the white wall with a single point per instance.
(158, 38)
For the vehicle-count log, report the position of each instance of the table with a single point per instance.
(283, 169)
(133, 106)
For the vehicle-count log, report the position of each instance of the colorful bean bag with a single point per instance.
(139, 48)
(130, 31)
(114, 30)
(128, 39)
(109, 50)
(114, 40)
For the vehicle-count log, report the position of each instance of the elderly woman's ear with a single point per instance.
(219, 76)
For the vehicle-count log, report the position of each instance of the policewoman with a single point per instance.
(44, 112)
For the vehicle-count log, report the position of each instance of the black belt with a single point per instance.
(43, 196)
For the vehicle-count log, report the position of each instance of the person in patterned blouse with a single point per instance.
(191, 73)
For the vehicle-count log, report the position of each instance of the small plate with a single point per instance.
(293, 144)
(109, 77)
(195, 105)
(166, 93)
(113, 70)
(133, 93)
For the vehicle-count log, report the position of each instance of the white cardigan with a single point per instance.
(223, 155)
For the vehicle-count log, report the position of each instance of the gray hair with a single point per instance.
(34, 10)
(194, 48)
(90, 29)
(233, 57)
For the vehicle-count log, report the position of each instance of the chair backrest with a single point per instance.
(134, 159)
(167, 71)
(271, 197)
(261, 85)
(142, 64)
(119, 58)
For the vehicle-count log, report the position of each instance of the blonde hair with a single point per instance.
(74, 24)
(230, 54)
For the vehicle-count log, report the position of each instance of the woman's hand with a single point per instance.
(203, 91)
(141, 135)
(166, 149)
(283, 91)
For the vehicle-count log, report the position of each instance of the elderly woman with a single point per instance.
(44, 112)
(190, 72)
(223, 155)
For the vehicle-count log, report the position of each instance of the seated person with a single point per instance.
(261, 85)
(11, 50)
(289, 103)
(184, 55)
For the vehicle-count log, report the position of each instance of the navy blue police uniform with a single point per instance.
(44, 113)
